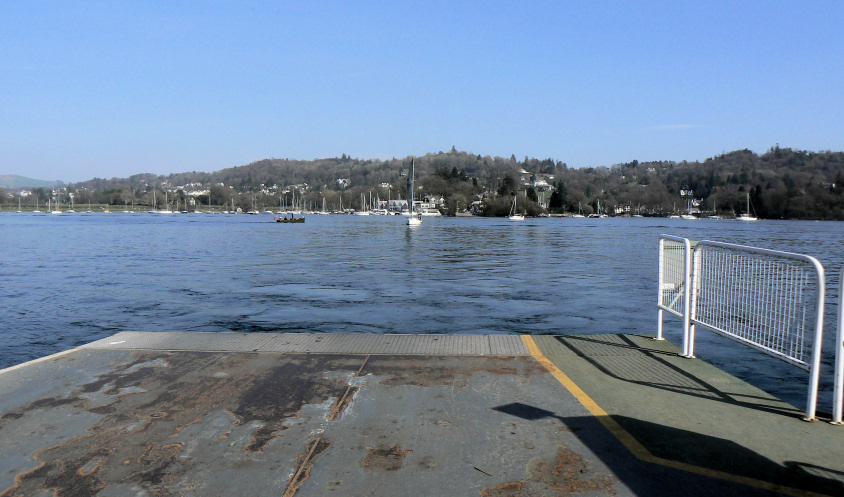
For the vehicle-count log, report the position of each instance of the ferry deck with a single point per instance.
(169, 413)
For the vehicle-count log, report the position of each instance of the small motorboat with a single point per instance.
(291, 219)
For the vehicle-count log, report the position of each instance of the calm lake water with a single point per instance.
(71, 279)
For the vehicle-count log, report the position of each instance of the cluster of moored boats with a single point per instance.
(414, 217)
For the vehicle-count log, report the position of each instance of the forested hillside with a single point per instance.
(781, 183)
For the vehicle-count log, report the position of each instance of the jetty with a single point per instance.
(175, 413)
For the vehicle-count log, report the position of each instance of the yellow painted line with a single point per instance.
(639, 450)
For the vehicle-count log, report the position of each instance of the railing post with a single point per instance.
(692, 280)
(659, 318)
(815, 371)
(659, 315)
(838, 389)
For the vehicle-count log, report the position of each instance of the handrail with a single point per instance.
(838, 388)
(759, 302)
(759, 297)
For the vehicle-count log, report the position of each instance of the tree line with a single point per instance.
(781, 183)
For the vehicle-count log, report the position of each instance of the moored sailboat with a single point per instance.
(598, 214)
(514, 216)
(747, 216)
(415, 218)
(166, 209)
(688, 215)
(55, 209)
(254, 210)
(363, 210)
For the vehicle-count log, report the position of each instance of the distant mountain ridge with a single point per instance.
(15, 181)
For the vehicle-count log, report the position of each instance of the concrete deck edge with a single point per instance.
(40, 359)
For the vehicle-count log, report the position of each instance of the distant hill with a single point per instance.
(14, 181)
(781, 183)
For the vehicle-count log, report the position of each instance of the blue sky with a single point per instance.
(104, 89)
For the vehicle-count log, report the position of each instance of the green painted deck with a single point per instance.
(173, 413)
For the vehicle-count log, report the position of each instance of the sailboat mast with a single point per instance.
(410, 187)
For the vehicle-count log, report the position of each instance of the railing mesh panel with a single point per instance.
(764, 300)
(673, 269)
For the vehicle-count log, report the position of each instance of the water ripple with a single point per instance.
(68, 280)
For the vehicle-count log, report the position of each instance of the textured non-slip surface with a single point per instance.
(317, 343)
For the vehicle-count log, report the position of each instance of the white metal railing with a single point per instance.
(675, 259)
(838, 388)
(770, 300)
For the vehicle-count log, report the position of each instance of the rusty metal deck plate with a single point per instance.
(112, 422)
